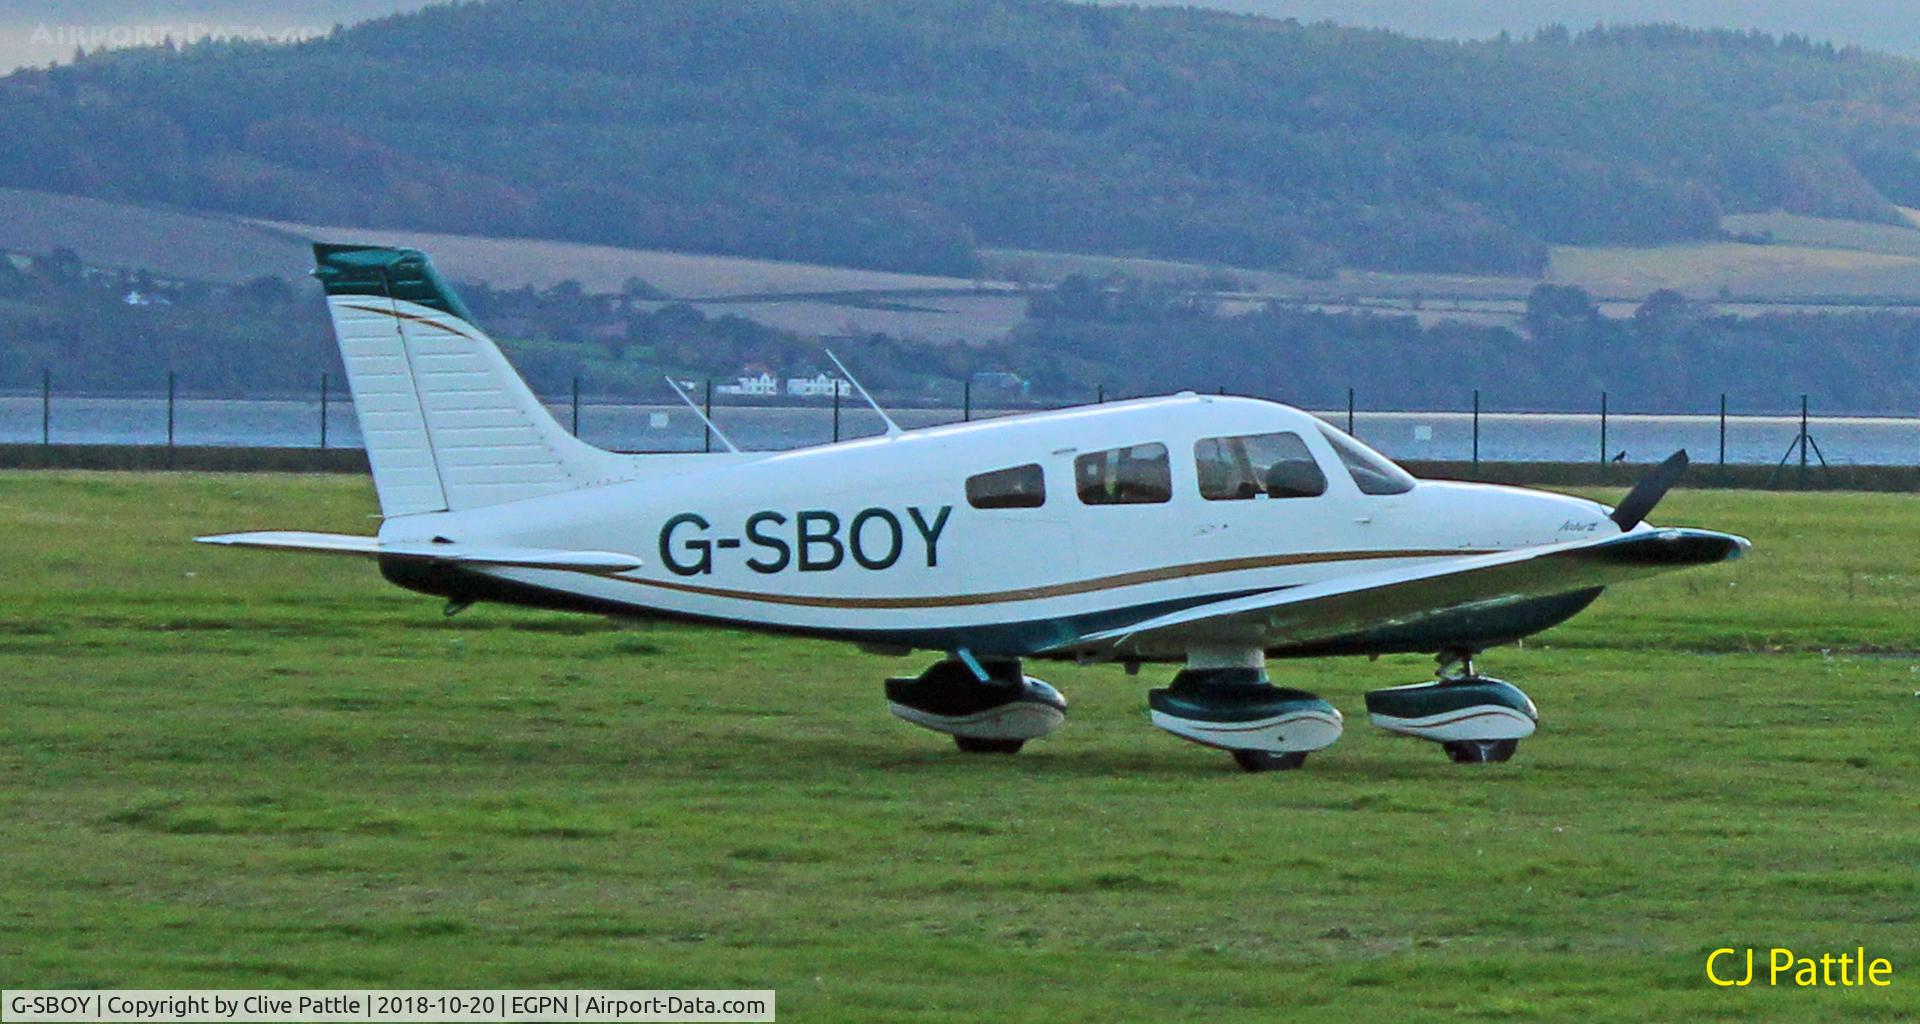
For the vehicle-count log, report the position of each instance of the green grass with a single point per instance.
(224, 769)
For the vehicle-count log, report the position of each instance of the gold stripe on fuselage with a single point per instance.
(1125, 579)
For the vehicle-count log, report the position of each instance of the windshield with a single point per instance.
(1372, 472)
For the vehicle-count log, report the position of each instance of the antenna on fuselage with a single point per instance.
(893, 429)
(691, 404)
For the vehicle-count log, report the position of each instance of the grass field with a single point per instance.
(228, 769)
(1701, 269)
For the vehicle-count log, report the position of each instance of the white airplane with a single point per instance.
(1215, 531)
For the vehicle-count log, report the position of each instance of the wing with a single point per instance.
(605, 563)
(1402, 597)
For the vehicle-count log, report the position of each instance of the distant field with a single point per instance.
(1703, 269)
(1822, 232)
(222, 769)
(1049, 267)
(804, 297)
(797, 296)
(1811, 258)
(511, 262)
(172, 243)
(954, 317)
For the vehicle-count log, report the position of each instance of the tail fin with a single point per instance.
(447, 422)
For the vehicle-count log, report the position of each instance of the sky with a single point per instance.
(38, 32)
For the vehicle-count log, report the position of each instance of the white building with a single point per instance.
(818, 386)
(760, 385)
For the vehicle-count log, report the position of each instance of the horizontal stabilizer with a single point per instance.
(605, 563)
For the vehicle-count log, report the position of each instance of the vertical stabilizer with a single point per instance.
(447, 422)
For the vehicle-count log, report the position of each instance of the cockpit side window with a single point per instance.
(1372, 472)
(1273, 465)
(1135, 475)
(1018, 487)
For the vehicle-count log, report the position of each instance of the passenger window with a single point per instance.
(1372, 472)
(1019, 487)
(1139, 475)
(1276, 465)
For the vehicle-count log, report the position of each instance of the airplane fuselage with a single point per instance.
(1011, 536)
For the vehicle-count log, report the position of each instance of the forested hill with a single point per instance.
(903, 133)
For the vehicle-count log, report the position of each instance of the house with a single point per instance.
(1000, 383)
(757, 381)
(817, 386)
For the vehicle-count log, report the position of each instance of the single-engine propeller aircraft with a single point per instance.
(1217, 532)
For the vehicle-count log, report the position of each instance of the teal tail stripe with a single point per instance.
(385, 272)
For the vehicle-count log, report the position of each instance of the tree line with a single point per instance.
(906, 135)
(111, 332)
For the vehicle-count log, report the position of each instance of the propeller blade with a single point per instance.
(1648, 492)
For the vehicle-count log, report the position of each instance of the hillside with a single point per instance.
(904, 135)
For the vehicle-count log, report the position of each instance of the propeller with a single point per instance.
(1648, 492)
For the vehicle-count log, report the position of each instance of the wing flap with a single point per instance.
(605, 563)
(1399, 597)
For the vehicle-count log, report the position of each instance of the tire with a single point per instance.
(1268, 761)
(1481, 751)
(974, 745)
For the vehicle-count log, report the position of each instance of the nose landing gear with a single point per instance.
(1476, 719)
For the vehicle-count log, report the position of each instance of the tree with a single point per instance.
(1553, 307)
(1189, 135)
(62, 265)
(1662, 313)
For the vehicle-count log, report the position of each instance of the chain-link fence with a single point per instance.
(1476, 430)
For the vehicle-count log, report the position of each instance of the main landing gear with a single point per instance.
(1474, 718)
(988, 706)
(1222, 699)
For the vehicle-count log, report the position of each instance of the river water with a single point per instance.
(1516, 437)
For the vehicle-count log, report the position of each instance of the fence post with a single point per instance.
(1476, 428)
(170, 393)
(323, 412)
(707, 430)
(46, 406)
(1349, 410)
(1603, 428)
(576, 405)
(1723, 428)
(1803, 432)
(1100, 395)
(836, 410)
(966, 399)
